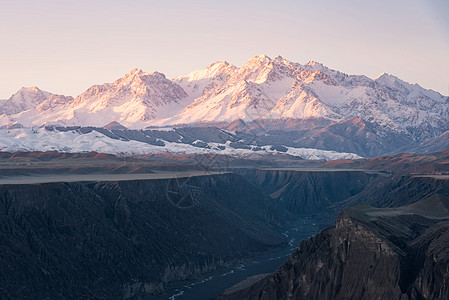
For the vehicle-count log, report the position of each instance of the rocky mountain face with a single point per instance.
(323, 108)
(370, 253)
(436, 144)
(128, 238)
(352, 135)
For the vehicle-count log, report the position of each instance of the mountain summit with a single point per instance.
(32, 98)
(136, 97)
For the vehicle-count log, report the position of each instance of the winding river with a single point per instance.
(212, 285)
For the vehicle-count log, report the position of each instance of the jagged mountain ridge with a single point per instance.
(266, 88)
(262, 88)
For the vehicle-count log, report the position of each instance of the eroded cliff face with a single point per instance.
(309, 192)
(369, 253)
(128, 238)
(432, 278)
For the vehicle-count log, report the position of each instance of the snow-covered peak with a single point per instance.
(260, 69)
(136, 97)
(30, 93)
(135, 84)
(134, 71)
(137, 77)
(405, 92)
(260, 59)
(212, 71)
(256, 62)
(25, 99)
(386, 78)
(31, 89)
(201, 82)
(314, 65)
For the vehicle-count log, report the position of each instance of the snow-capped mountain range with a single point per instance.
(260, 90)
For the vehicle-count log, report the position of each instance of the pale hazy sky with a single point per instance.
(66, 46)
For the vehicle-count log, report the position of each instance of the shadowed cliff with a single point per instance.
(119, 239)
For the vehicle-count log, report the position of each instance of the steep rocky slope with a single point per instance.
(353, 135)
(436, 144)
(370, 253)
(309, 191)
(119, 239)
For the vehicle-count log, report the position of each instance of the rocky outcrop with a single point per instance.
(109, 240)
(370, 253)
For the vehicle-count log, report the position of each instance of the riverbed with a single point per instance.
(212, 285)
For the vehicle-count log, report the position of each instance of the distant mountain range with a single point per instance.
(265, 102)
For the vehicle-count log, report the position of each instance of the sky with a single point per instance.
(66, 46)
